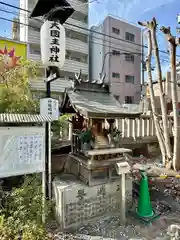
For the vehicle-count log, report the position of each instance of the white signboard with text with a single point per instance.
(22, 150)
(49, 107)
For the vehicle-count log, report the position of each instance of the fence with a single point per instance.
(130, 128)
(139, 127)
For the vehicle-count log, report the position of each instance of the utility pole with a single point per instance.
(143, 63)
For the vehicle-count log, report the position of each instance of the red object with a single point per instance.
(150, 182)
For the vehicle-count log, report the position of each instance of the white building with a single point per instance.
(76, 44)
(122, 71)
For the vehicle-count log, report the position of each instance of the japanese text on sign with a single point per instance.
(53, 41)
(22, 150)
(50, 107)
(55, 35)
(30, 149)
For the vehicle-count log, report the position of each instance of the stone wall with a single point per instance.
(76, 203)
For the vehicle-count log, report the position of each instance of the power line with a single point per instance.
(94, 37)
(113, 47)
(13, 6)
(3, 10)
(90, 30)
(108, 41)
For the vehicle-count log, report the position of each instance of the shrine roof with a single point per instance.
(96, 104)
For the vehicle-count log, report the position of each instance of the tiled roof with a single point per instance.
(98, 104)
(23, 118)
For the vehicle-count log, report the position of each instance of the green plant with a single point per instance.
(15, 91)
(61, 124)
(22, 212)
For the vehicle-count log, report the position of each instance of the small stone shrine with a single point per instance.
(95, 188)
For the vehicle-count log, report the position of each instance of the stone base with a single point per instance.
(77, 203)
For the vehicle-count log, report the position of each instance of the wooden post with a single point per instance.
(123, 128)
(143, 128)
(134, 129)
(138, 127)
(148, 127)
(117, 123)
(123, 198)
(70, 132)
(128, 127)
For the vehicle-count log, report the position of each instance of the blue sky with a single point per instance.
(165, 12)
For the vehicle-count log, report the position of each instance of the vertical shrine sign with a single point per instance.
(52, 38)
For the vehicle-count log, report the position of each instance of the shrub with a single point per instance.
(21, 212)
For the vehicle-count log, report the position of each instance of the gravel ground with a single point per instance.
(111, 228)
(165, 199)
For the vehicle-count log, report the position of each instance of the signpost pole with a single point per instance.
(49, 164)
(48, 95)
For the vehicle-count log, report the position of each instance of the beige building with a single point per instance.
(167, 90)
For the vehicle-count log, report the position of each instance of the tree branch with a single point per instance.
(168, 35)
(143, 24)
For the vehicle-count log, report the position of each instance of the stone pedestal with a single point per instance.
(77, 203)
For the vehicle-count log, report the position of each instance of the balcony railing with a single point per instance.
(76, 45)
(74, 66)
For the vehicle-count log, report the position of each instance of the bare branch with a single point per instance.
(154, 22)
(168, 35)
(143, 24)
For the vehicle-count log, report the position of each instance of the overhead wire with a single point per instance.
(34, 27)
(114, 48)
(89, 30)
(92, 36)
(96, 38)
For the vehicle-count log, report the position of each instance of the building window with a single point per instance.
(129, 79)
(36, 29)
(129, 58)
(115, 30)
(115, 52)
(130, 37)
(115, 75)
(129, 99)
(35, 50)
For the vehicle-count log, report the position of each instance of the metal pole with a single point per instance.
(48, 95)
(104, 63)
(49, 162)
(142, 49)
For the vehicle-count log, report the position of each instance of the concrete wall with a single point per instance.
(73, 211)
